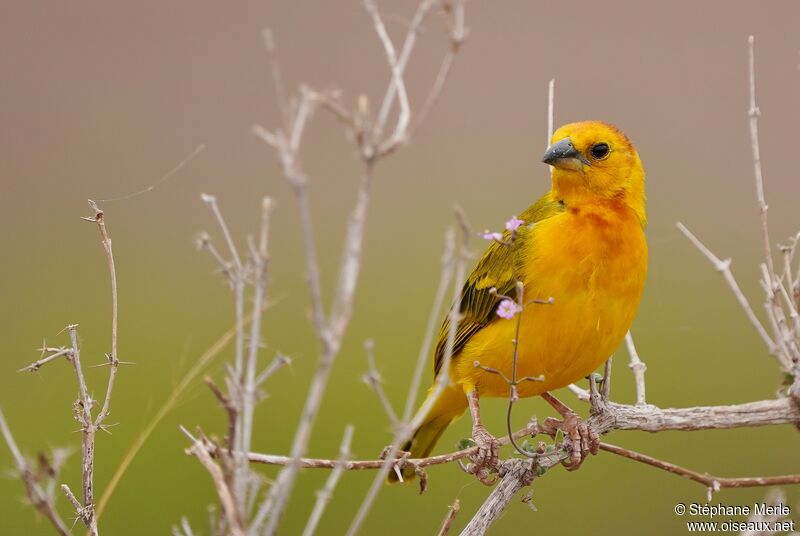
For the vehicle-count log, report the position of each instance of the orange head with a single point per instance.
(592, 160)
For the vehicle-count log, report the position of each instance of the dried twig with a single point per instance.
(754, 112)
(441, 383)
(612, 416)
(325, 494)
(551, 94)
(373, 379)
(515, 475)
(82, 408)
(248, 381)
(452, 512)
(48, 354)
(714, 483)
(458, 34)
(113, 358)
(724, 267)
(41, 500)
(446, 274)
(277, 76)
(638, 367)
(225, 493)
(243, 380)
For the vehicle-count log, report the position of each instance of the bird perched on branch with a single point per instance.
(579, 256)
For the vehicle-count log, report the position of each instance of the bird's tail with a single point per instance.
(449, 405)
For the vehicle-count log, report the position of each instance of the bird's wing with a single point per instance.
(500, 267)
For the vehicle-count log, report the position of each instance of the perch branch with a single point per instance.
(515, 474)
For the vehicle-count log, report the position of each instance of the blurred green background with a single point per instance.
(101, 99)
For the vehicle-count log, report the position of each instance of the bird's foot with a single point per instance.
(399, 454)
(583, 439)
(486, 459)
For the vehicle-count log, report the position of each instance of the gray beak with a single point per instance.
(562, 154)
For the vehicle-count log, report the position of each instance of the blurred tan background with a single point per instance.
(101, 99)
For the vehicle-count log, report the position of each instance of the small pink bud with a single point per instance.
(508, 309)
(514, 223)
(488, 235)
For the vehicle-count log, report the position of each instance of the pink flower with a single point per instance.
(487, 235)
(508, 308)
(514, 223)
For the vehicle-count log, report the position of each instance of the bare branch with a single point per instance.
(362, 465)
(226, 496)
(277, 363)
(266, 136)
(754, 113)
(581, 393)
(605, 392)
(452, 512)
(724, 267)
(515, 475)
(55, 353)
(714, 483)
(458, 34)
(373, 379)
(350, 267)
(325, 494)
(204, 243)
(404, 116)
(442, 380)
(277, 76)
(230, 409)
(36, 495)
(613, 416)
(408, 45)
(237, 280)
(211, 202)
(113, 358)
(448, 258)
(638, 367)
(260, 259)
(551, 92)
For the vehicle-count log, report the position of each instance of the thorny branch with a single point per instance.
(82, 408)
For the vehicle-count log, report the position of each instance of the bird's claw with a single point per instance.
(400, 454)
(583, 439)
(486, 459)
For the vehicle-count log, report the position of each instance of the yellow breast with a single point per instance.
(592, 260)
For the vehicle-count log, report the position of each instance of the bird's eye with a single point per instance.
(599, 151)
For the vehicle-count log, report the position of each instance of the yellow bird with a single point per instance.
(582, 245)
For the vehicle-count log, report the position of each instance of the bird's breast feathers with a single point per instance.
(593, 262)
